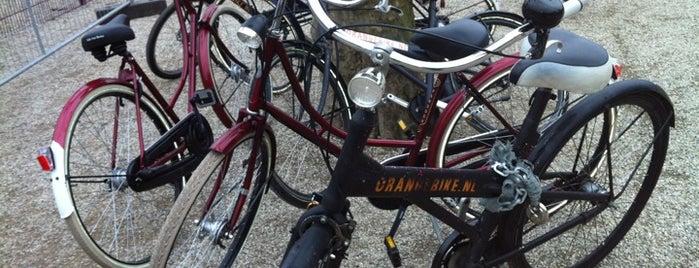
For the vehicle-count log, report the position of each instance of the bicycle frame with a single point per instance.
(358, 175)
(274, 47)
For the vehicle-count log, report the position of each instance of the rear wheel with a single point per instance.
(216, 210)
(115, 225)
(617, 149)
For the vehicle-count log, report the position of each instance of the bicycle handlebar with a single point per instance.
(349, 37)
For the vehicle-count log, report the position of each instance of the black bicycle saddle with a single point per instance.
(116, 30)
(440, 43)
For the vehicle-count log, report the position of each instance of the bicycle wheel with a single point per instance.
(613, 144)
(302, 167)
(310, 249)
(164, 44)
(218, 70)
(114, 225)
(217, 208)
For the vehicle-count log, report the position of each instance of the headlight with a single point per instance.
(252, 31)
(366, 87)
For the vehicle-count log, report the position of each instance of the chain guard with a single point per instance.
(192, 131)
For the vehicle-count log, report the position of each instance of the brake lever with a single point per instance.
(385, 7)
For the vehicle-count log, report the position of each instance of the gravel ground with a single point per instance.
(657, 42)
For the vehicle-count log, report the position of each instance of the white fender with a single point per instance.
(61, 193)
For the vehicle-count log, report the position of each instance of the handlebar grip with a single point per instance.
(571, 7)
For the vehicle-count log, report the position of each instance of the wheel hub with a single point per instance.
(212, 230)
(117, 182)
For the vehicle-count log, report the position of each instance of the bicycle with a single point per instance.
(520, 185)
(121, 151)
(489, 79)
(164, 39)
(211, 219)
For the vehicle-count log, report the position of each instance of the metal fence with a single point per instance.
(31, 30)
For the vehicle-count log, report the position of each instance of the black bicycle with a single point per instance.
(565, 197)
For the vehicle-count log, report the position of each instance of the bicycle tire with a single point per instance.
(196, 236)
(561, 161)
(514, 110)
(310, 249)
(218, 71)
(303, 167)
(164, 45)
(113, 224)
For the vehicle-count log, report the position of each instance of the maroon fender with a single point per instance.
(234, 135)
(452, 108)
(59, 132)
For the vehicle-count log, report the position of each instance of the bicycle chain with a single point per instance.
(520, 182)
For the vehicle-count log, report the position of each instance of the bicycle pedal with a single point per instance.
(204, 98)
(392, 251)
(406, 130)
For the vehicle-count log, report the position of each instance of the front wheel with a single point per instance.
(215, 212)
(311, 249)
(302, 167)
(115, 225)
(613, 144)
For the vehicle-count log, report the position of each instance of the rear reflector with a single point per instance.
(45, 159)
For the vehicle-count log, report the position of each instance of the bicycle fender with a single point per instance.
(491, 72)
(59, 185)
(61, 193)
(233, 135)
(63, 122)
(453, 106)
(593, 104)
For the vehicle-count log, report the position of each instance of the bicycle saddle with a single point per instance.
(579, 66)
(115, 31)
(439, 43)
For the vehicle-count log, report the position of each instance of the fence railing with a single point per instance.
(32, 30)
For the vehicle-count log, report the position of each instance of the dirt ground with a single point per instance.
(654, 40)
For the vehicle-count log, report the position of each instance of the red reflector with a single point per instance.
(617, 71)
(45, 159)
